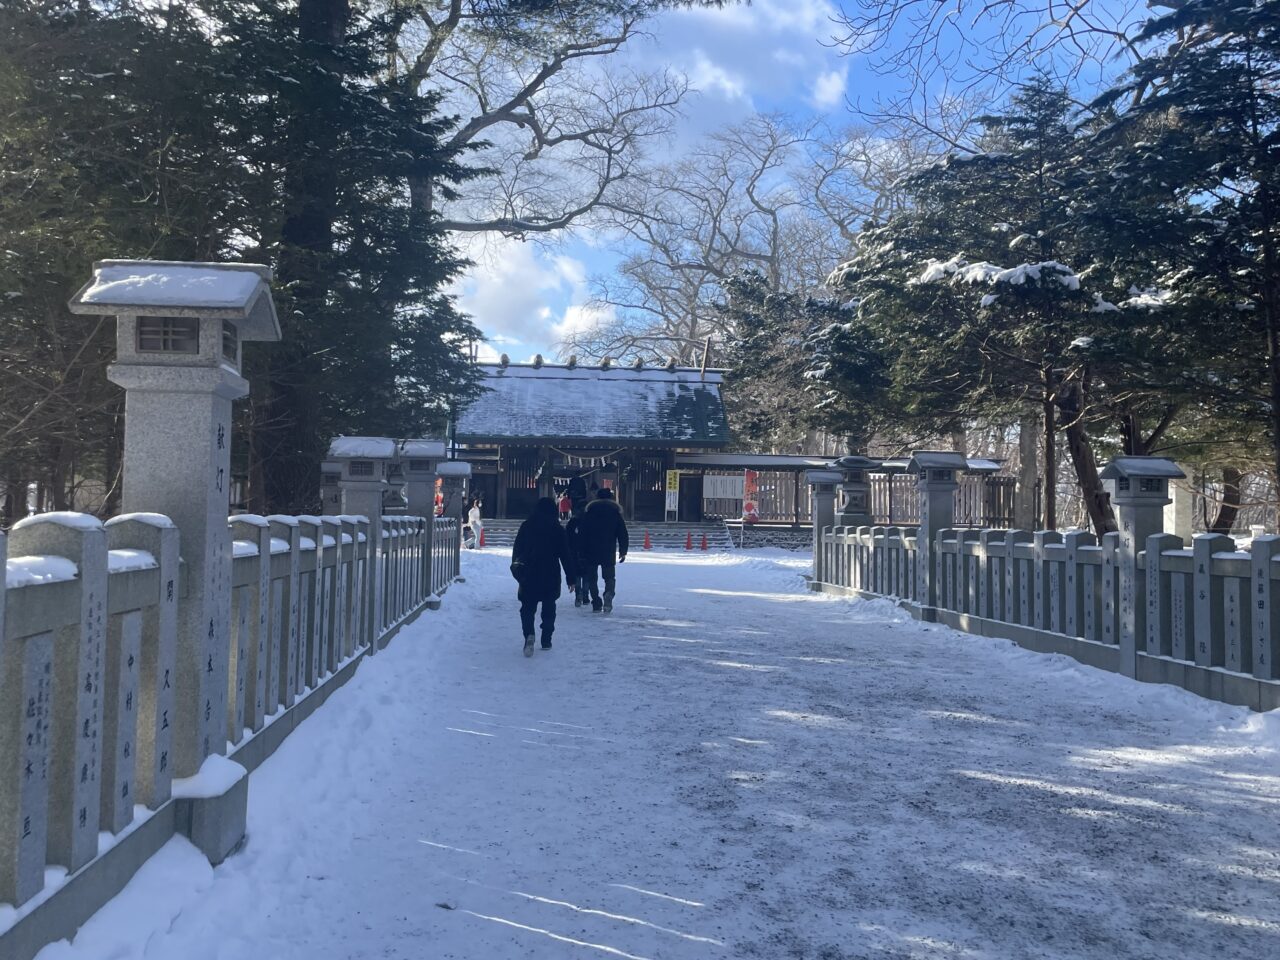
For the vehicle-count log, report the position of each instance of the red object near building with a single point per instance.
(648, 544)
(688, 540)
(481, 543)
(704, 541)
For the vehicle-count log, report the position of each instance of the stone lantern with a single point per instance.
(454, 475)
(364, 466)
(1139, 488)
(180, 328)
(937, 473)
(418, 460)
(855, 490)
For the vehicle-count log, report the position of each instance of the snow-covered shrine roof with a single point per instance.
(371, 448)
(653, 407)
(239, 292)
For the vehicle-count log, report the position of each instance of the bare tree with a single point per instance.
(555, 134)
(765, 195)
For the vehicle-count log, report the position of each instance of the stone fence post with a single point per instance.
(822, 500)
(935, 472)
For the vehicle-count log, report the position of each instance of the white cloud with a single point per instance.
(523, 297)
(828, 89)
(710, 77)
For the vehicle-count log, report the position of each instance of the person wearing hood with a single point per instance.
(540, 553)
(604, 540)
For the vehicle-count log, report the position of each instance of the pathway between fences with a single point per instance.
(731, 767)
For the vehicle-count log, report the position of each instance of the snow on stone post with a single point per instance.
(287, 602)
(1139, 492)
(153, 739)
(311, 639)
(179, 330)
(936, 473)
(75, 757)
(26, 690)
(822, 499)
(363, 482)
(254, 533)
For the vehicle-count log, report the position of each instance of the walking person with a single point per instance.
(541, 551)
(605, 543)
(565, 507)
(577, 548)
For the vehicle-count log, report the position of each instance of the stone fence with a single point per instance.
(96, 683)
(1204, 616)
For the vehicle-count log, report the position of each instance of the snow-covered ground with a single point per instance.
(730, 767)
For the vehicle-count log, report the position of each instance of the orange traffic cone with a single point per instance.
(481, 543)
(688, 540)
(704, 541)
(648, 544)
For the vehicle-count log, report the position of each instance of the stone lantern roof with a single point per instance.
(1128, 468)
(239, 292)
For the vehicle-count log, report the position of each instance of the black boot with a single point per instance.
(546, 641)
(528, 645)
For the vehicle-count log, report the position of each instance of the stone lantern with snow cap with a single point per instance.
(179, 331)
(418, 460)
(855, 490)
(938, 477)
(1139, 488)
(364, 467)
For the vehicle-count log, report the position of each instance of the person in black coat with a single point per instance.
(573, 530)
(540, 552)
(604, 541)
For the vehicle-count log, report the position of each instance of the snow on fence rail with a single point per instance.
(92, 657)
(1205, 617)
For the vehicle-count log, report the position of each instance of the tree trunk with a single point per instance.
(1096, 501)
(1050, 520)
(1229, 507)
(1024, 508)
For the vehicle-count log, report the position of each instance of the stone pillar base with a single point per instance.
(213, 815)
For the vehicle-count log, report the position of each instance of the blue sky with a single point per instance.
(774, 55)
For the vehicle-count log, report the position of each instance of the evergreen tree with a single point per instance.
(1206, 163)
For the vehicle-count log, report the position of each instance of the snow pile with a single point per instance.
(64, 518)
(373, 448)
(166, 285)
(125, 560)
(215, 777)
(29, 571)
(151, 519)
(960, 270)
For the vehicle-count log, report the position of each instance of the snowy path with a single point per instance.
(731, 768)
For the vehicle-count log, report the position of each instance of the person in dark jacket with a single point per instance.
(604, 544)
(541, 551)
(581, 596)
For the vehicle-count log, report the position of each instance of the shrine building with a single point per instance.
(655, 435)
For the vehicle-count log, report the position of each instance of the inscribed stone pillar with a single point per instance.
(1209, 630)
(288, 604)
(75, 758)
(154, 737)
(255, 530)
(26, 697)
